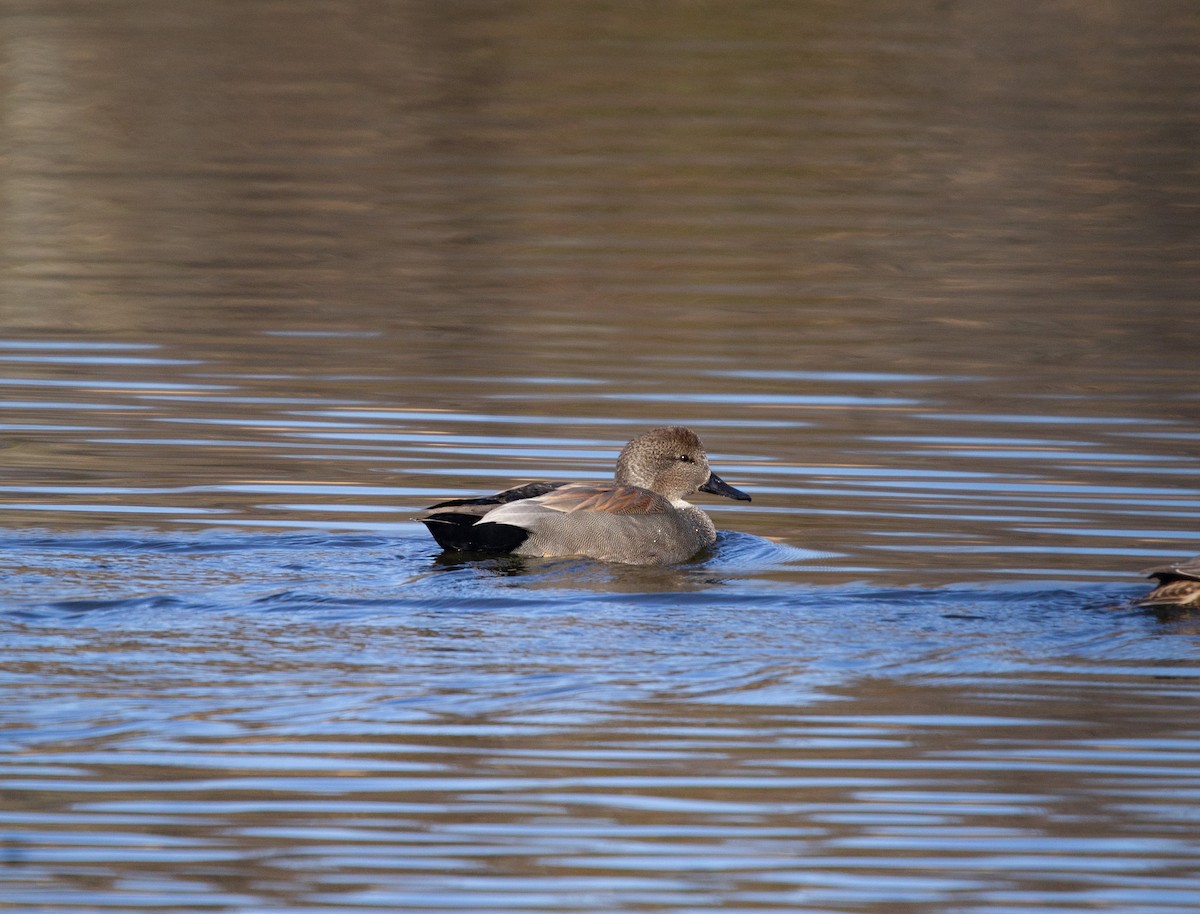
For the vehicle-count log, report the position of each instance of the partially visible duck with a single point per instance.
(640, 518)
(1178, 584)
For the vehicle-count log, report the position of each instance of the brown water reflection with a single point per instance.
(274, 275)
(1005, 181)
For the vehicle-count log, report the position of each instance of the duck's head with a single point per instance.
(670, 460)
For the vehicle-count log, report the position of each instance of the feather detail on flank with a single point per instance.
(1178, 584)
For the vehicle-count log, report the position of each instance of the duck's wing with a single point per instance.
(1186, 570)
(569, 499)
(606, 499)
(453, 523)
(502, 522)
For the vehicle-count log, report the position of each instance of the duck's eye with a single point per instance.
(686, 458)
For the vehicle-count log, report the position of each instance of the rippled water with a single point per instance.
(274, 277)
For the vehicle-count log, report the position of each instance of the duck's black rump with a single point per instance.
(454, 523)
(461, 533)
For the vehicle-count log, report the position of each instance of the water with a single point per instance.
(275, 276)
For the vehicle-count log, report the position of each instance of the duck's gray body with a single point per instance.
(641, 518)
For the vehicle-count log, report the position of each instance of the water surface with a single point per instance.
(275, 276)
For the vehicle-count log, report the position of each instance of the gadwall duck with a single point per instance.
(1178, 584)
(640, 518)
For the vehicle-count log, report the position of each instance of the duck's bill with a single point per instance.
(718, 486)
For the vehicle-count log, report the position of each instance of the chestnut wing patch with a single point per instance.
(606, 499)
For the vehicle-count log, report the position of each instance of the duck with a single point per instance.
(1178, 584)
(642, 517)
